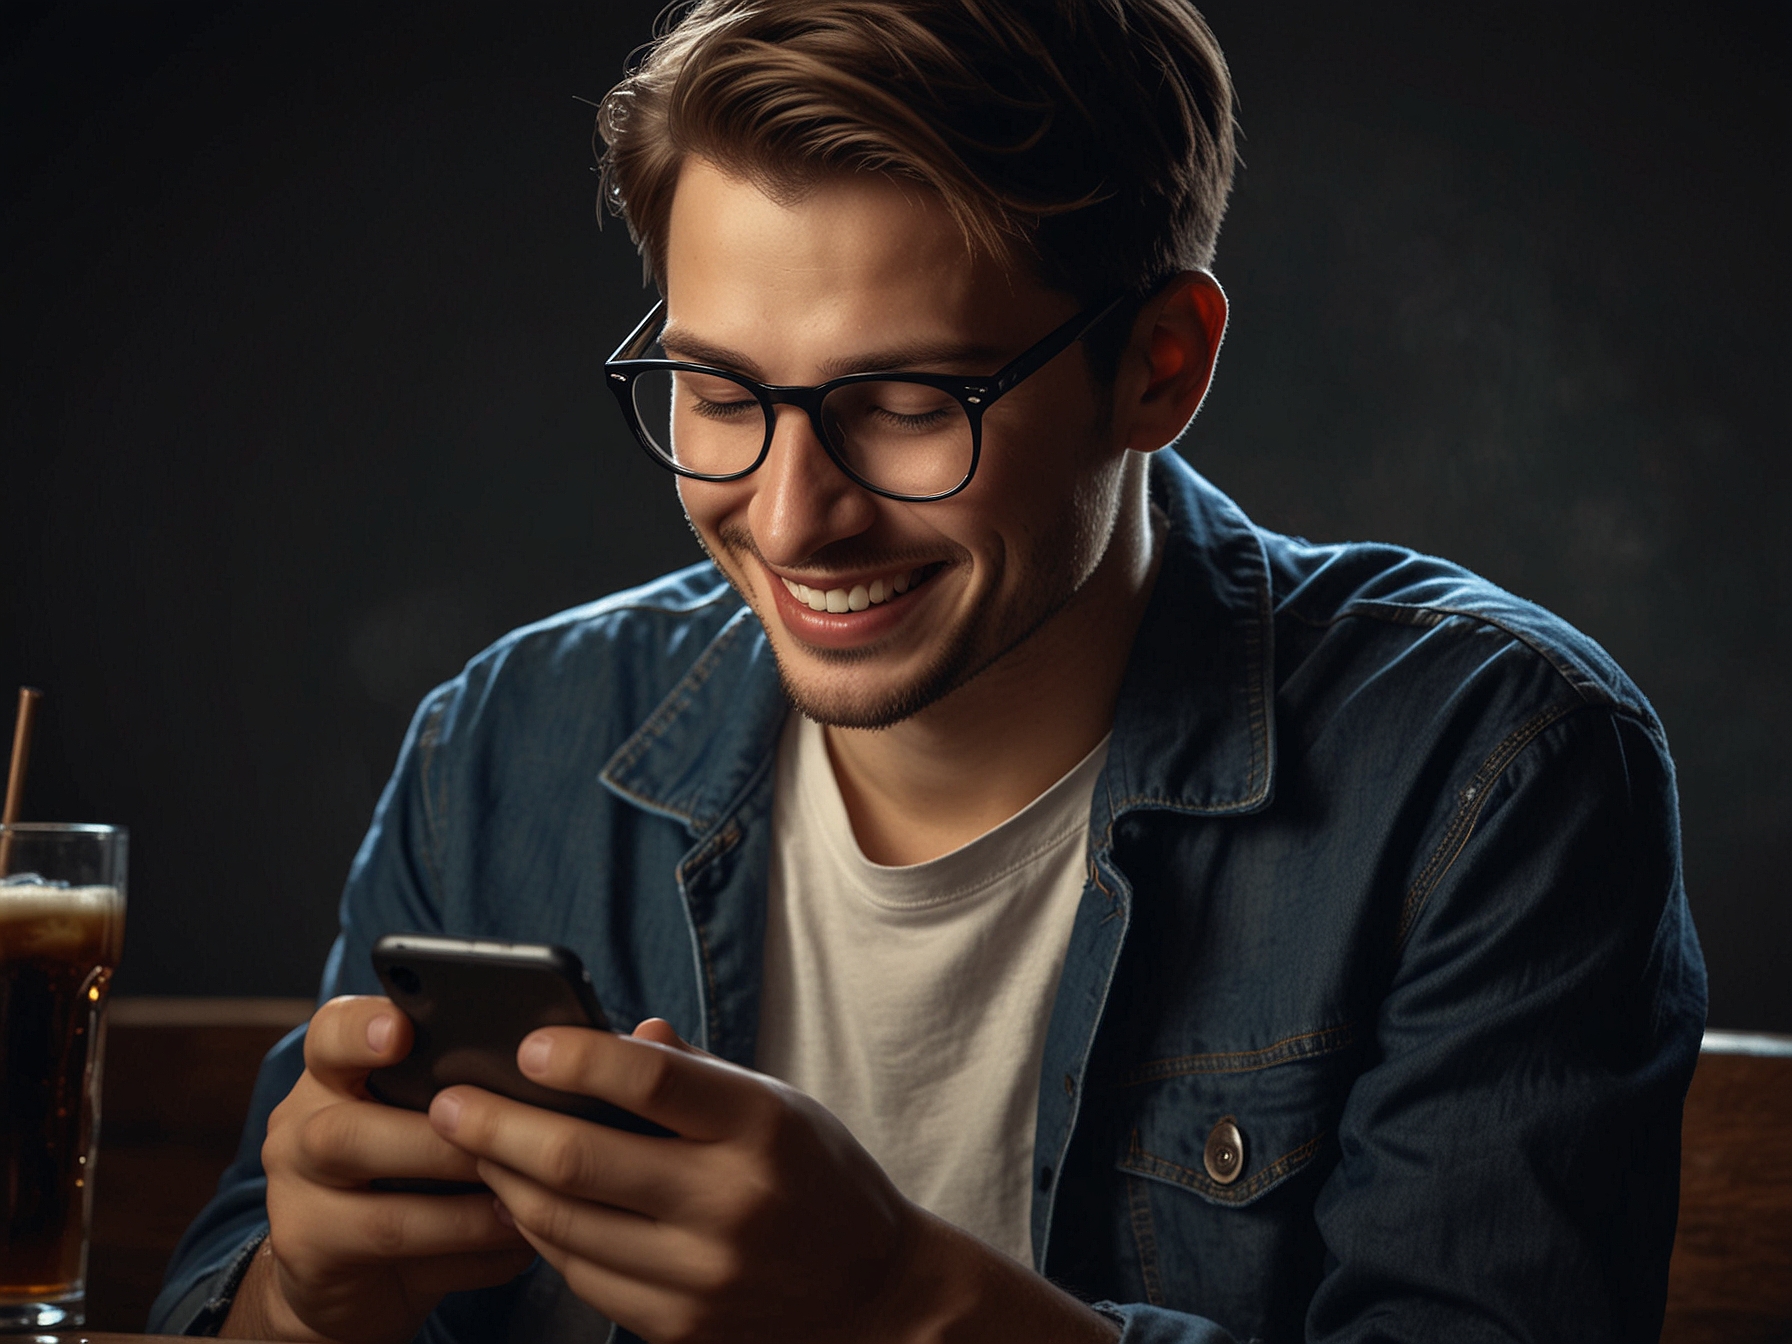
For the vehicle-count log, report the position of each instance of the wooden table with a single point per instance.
(177, 1083)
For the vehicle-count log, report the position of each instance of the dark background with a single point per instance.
(299, 395)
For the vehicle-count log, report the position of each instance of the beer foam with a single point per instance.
(31, 900)
(38, 919)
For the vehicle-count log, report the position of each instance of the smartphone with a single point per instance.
(471, 1002)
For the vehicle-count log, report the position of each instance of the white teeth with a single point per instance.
(857, 598)
(802, 592)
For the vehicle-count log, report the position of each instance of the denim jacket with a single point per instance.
(1383, 898)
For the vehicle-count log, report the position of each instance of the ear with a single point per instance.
(1168, 363)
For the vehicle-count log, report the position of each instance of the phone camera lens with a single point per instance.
(406, 979)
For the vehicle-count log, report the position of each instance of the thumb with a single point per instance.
(660, 1032)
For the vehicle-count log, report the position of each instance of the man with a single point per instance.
(1053, 908)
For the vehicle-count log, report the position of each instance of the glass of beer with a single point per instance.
(61, 925)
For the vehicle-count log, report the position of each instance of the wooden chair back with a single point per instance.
(1731, 1277)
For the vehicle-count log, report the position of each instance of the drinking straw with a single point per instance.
(15, 774)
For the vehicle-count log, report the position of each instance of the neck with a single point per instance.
(979, 755)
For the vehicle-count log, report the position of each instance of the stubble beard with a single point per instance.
(949, 669)
(960, 659)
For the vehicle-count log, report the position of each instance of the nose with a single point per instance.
(801, 500)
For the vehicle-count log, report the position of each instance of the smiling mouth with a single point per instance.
(861, 596)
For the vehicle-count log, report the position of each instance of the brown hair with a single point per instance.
(1088, 139)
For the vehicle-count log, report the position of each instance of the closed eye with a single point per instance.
(723, 410)
(715, 398)
(920, 423)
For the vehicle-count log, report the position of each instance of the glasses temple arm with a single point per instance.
(637, 340)
(1031, 361)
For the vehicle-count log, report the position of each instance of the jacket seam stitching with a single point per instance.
(676, 703)
(710, 851)
(1136, 800)
(1144, 1236)
(1146, 1163)
(1578, 679)
(1259, 767)
(662, 718)
(1117, 907)
(1326, 1041)
(595, 612)
(1471, 799)
(428, 740)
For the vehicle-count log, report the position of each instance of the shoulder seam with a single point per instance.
(1472, 797)
(1573, 673)
(589, 622)
(429, 735)
(603, 607)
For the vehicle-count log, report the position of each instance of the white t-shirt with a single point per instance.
(913, 1001)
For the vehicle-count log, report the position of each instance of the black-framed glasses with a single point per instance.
(907, 436)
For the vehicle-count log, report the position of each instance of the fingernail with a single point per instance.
(445, 1111)
(380, 1032)
(532, 1055)
(503, 1213)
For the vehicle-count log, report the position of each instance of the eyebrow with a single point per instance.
(894, 359)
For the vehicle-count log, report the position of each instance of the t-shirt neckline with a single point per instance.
(1031, 837)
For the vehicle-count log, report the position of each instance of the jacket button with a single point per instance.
(1224, 1156)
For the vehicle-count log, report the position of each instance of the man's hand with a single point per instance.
(342, 1261)
(763, 1219)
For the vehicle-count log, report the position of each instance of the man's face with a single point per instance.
(861, 274)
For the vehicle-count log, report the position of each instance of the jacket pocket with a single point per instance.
(1233, 1126)
(1235, 1241)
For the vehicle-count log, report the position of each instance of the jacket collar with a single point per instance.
(1195, 727)
(1194, 731)
(709, 742)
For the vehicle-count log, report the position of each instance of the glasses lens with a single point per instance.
(703, 422)
(906, 438)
